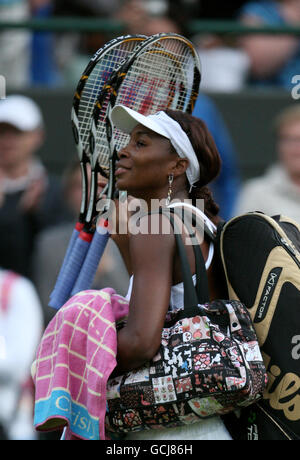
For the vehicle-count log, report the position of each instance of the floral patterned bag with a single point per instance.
(209, 363)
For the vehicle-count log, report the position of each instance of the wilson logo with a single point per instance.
(296, 349)
(267, 294)
(282, 392)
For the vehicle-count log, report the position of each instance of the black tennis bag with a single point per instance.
(261, 260)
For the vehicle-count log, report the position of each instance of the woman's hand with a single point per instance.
(33, 195)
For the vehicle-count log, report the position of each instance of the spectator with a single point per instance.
(52, 244)
(43, 68)
(21, 328)
(274, 59)
(227, 185)
(30, 197)
(278, 190)
(134, 15)
(86, 7)
(224, 65)
(73, 50)
(155, 25)
(15, 45)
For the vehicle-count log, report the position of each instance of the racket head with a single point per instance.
(91, 82)
(95, 75)
(137, 83)
(170, 78)
(164, 71)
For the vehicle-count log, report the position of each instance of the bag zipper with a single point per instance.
(289, 248)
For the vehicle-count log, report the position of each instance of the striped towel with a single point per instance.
(75, 358)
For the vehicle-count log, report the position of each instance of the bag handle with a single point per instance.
(209, 227)
(192, 296)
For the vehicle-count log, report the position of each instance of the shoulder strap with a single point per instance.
(201, 274)
(192, 296)
(209, 227)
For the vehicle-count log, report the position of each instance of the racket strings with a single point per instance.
(161, 84)
(161, 76)
(94, 83)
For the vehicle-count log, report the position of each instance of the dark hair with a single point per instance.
(207, 154)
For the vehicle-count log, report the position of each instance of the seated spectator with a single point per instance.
(43, 68)
(21, 328)
(73, 49)
(274, 59)
(225, 65)
(134, 15)
(52, 245)
(15, 45)
(30, 197)
(278, 190)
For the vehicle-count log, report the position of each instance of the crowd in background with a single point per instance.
(38, 210)
(55, 59)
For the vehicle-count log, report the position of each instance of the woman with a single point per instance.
(274, 58)
(170, 155)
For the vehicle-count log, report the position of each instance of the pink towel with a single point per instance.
(74, 360)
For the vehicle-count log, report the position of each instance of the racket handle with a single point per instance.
(74, 236)
(72, 270)
(90, 265)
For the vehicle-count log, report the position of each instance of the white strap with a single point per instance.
(210, 255)
(207, 221)
(198, 211)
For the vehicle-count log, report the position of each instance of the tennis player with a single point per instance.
(170, 156)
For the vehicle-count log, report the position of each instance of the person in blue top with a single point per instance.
(226, 186)
(44, 70)
(275, 59)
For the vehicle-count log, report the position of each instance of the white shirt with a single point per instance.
(273, 193)
(21, 327)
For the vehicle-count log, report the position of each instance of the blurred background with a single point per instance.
(47, 65)
(250, 90)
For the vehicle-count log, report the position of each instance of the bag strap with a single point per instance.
(192, 296)
(209, 227)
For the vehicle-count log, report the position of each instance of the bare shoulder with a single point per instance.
(151, 238)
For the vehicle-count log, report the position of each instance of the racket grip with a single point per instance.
(90, 265)
(72, 270)
(74, 236)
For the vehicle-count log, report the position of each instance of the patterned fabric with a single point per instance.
(76, 355)
(207, 365)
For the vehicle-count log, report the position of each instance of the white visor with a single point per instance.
(127, 119)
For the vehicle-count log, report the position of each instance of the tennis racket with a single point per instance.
(162, 72)
(90, 84)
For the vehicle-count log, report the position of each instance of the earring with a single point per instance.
(168, 199)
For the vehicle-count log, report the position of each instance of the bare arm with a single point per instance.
(152, 263)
